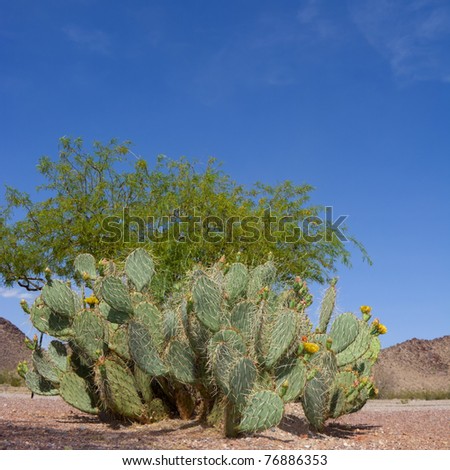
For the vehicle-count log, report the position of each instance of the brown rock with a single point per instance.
(12, 346)
(415, 366)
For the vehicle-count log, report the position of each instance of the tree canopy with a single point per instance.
(106, 201)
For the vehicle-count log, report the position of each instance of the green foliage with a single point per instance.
(83, 187)
(11, 378)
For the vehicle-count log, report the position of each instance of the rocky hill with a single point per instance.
(12, 347)
(415, 367)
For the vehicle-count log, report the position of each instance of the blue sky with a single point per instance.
(352, 97)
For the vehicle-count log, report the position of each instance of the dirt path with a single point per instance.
(48, 423)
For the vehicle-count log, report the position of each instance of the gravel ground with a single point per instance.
(49, 423)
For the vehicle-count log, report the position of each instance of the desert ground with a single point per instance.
(49, 423)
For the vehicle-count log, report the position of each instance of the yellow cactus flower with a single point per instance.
(365, 309)
(92, 301)
(310, 348)
(85, 276)
(382, 330)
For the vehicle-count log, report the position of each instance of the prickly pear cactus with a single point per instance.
(231, 345)
(92, 367)
(342, 383)
(252, 334)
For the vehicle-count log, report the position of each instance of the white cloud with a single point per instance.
(94, 40)
(308, 12)
(15, 293)
(414, 36)
(312, 15)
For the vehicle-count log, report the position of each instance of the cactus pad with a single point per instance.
(46, 321)
(113, 316)
(293, 371)
(118, 390)
(144, 351)
(45, 367)
(38, 385)
(327, 306)
(57, 352)
(60, 298)
(144, 384)
(119, 342)
(116, 295)
(207, 298)
(75, 391)
(170, 325)
(51, 364)
(90, 333)
(236, 280)
(318, 391)
(241, 380)
(282, 335)
(181, 361)
(357, 348)
(140, 268)
(231, 338)
(263, 411)
(149, 315)
(243, 318)
(344, 331)
(262, 276)
(85, 265)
